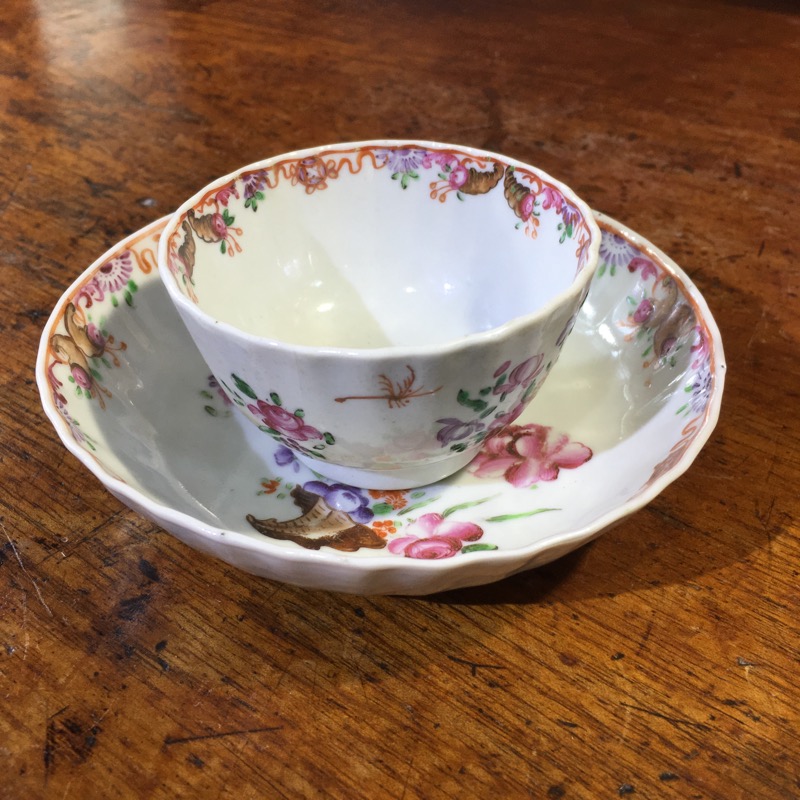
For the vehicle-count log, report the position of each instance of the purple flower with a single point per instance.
(570, 214)
(615, 251)
(404, 159)
(701, 390)
(253, 182)
(455, 429)
(341, 497)
(284, 457)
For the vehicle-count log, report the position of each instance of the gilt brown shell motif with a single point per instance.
(318, 526)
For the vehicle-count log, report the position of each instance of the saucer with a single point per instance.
(625, 411)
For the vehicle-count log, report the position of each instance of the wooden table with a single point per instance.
(663, 660)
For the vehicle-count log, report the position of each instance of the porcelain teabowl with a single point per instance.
(380, 308)
(630, 404)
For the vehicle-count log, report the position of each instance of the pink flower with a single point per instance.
(526, 206)
(643, 311)
(226, 192)
(81, 376)
(522, 375)
(219, 225)
(527, 454)
(95, 335)
(458, 177)
(647, 267)
(115, 273)
(552, 198)
(434, 536)
(281, 420)
(700, 349)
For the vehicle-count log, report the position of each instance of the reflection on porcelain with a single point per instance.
(626, 410)
(355, 302)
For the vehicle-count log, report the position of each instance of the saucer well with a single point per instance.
(625, 411)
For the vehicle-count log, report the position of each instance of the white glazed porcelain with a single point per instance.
(380, 308)
(630, 404)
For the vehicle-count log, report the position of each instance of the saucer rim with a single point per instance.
(520, 558)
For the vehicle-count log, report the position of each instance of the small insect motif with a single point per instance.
(397, 394)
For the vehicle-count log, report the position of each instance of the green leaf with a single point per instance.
(114, 301)
(206, 394)
(259, 195)
(211, 411)
(95, 374)
(613, 270)
(682, 408)
(243, 386)
(465, 400)
(418, 493)
(328, 437)
(487, 412)
(106, 362)
(395, 176)
(460, 196)
(298, 412)
(468, 504)
(521, 515)
(128, 298)
(416, 506)
(275, 397)
(475, 548)
(601, 270)
(485, 390)
(132, 285)
(460, 447)
(382, 508)
(442, 176)
(223, 247)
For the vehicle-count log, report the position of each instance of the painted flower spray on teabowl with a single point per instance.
(381, 308)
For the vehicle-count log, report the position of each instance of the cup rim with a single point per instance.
(508, 328)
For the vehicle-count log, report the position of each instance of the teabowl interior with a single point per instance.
(378, 246)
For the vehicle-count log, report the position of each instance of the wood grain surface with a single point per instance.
(663, 660)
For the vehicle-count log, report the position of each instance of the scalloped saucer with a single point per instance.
(632, 400)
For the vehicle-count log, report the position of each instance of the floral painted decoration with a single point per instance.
(521, 455)
(449, 172)
(287, 427)
(494, 405)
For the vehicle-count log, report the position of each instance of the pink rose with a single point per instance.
(434, 536)
(281, 420)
